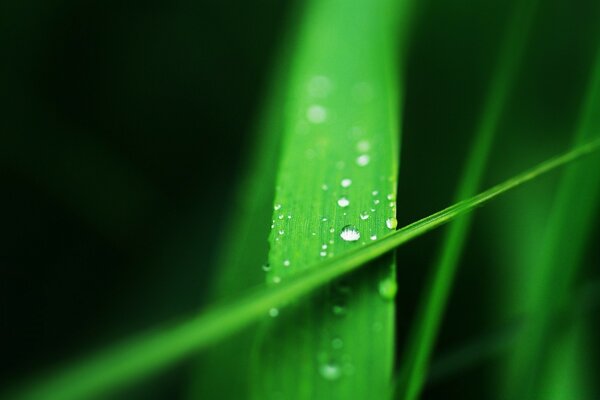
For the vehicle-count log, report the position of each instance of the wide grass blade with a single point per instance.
(433, 300)
(149, 353)
(336, 190)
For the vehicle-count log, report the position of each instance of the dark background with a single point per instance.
(124, 126)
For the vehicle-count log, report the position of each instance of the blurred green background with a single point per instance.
(125, 126)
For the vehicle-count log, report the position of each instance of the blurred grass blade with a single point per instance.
(557, 263)
(433, 300)
(335, 191)
(146, 354)
(247, 244)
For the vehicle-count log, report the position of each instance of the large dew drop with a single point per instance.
(350, 233)
(343, 202)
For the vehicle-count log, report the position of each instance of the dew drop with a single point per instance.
(350, 233)
(273, 312)
(323, 253)
(324, 219)
(391, 223)
(276, 279)
(364, 215)
(376, 201)
(330, 371)
(363, 160)
(286, 263)
(390, 196)
(337, 343)
(374, 192)
(280, 216)
(316, 114)
(346, 182)
(281, 232)
(338, 310)
(343, 202)
(388, 288)
(324, 246)
(363, 145)
(331, 230)
(266, 267)
(324, 187)
(373, 237)
(277, 207)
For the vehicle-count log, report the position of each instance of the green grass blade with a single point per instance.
(146, 354)
(341, 146)
(424, 331)
(574, 211)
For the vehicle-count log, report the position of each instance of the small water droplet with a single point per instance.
(266, 267)
(324, 187)
(363, 145)
(338, 310)
(337, 343)
(350, 233)
(280, 216)
(286, 263)
(343, 202)
(289, 217)
(277, 207)
(330, 371)
(332, 230)
(373, 237)
(364, 215)
(273, 312)
(388, 288)
(319, 86)
(324, 219)
(374, 192)
(363, 160)
(376, 201)
(390, 196)
(276, 279)
(391, 223)
(323, 253)
(324, 246)
(316, 114)
(281, 232)
(346, 182)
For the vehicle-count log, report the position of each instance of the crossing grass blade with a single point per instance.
(146, 354)
(424, 331)
(533, 370)
(335, 191)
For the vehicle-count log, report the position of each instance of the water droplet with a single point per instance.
(277, 207)
(343, 202)
(338, 310)
(363, 145)
(391, 223)
(319, 86)
(374, 192)
(273, 312)
(316, 114)
(364, 215)
(276, 279)
(337, 343)
(376, 201)
(324, 187)
(323, 253)
(266, 267)
(388, 288)
(346, 182)
(390, 196)
(280, 216)
(350, 233)
(392, 204)
(332, 230)
(281, 232)
(324, 246)
(373, 237)
(330, 371)
(286, 263)
(289, 217)
(324, 219)
(363, 160)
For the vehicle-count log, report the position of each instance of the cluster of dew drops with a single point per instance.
(329, 368)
